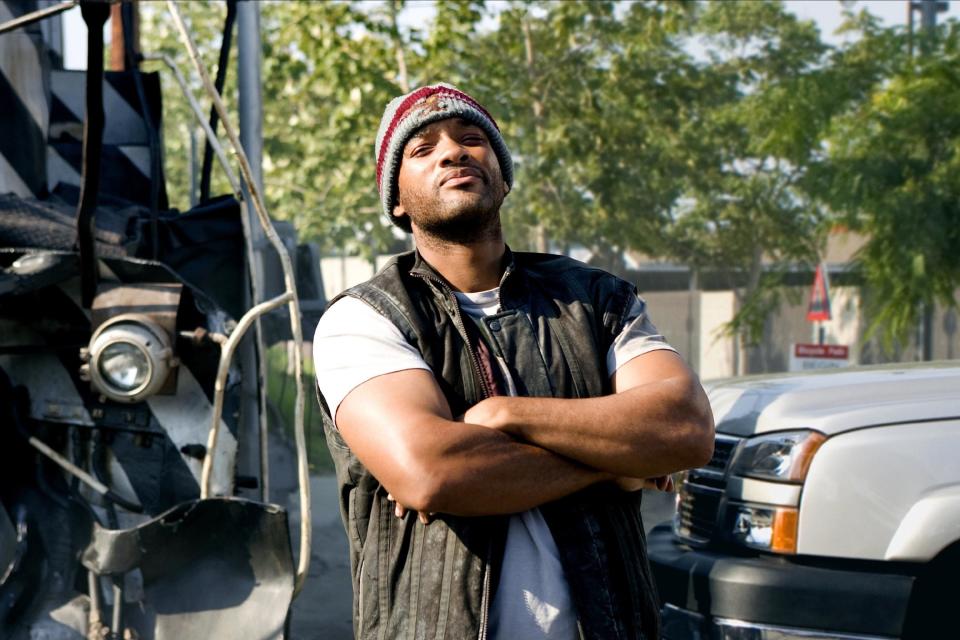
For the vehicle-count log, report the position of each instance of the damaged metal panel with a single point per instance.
(216, 568)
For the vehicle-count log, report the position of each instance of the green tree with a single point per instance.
(892, 174)
(159, 36)
(328, 71)
(569, 83)
(771, 87)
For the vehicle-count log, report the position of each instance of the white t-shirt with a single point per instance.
(354, 343)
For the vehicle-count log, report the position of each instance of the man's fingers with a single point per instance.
(399, 510)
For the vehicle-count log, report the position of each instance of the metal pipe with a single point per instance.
(94, 16)
(226, 355)
(303, 473)
(83, 476)
(222, 64)
(93, 588)
(198, 112)
(33, 16)
(192, 165)
(116, 620)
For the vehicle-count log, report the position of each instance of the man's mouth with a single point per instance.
(461, 176)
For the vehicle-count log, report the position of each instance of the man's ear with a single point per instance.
(398, 211)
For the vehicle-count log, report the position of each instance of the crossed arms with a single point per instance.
(509, 454)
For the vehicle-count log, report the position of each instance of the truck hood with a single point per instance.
(836, 400)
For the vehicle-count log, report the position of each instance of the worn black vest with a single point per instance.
(557, 319)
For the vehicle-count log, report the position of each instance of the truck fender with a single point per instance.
(929, 527)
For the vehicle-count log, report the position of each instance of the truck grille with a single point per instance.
(698, 502)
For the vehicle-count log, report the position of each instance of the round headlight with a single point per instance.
(129, 358)
(124, 366)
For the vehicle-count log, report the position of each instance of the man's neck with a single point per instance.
(468, 267)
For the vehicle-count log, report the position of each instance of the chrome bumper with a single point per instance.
(680, 624)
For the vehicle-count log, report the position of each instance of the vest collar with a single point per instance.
(424, 269)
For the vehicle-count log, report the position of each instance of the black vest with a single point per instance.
(557, 320)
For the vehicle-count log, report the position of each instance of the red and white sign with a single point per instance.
(836, 351)
(819, 356)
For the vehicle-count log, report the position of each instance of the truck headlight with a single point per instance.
(783, 456)
(129, 358)
(124, 366)
(765, 528)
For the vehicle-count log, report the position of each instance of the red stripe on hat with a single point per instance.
(395, 121)
(408, 102)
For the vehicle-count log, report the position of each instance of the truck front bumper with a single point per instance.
(714, 596)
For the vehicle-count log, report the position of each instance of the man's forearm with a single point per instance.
(485, 472)
(400, 428)
(650, 430)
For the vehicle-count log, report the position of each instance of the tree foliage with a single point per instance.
(723, 135)
(892, 174)
(760, 118)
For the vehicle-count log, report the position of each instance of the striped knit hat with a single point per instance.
(408, 113)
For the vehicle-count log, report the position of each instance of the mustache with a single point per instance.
(463, 170)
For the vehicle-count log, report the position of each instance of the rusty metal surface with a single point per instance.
(217, 568)
(158, 302)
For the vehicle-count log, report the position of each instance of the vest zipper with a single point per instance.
(485, 393)
(458, 320)
(485, 598)
(360, 593)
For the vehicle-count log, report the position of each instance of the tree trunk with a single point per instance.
(402, 77)
(540, 237)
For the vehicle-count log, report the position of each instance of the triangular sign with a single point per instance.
(819, 306)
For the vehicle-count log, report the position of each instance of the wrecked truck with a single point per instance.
(134, 475)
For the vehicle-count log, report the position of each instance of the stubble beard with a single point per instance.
(468, 219)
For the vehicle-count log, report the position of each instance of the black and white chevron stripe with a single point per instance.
(24, 104)
(42, 111)
(126, 149)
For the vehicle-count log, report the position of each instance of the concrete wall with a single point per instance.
(342, 272)
(717, 357)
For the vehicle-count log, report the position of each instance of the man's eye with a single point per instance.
(420, 150)
(474, 139)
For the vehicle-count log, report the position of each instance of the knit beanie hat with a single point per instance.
(408, 113)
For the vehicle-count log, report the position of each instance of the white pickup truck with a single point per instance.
(830, 509)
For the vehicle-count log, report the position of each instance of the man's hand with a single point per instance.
(400, 511)
(660, 483)
(656, 422)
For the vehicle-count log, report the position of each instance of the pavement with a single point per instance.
(323, 609)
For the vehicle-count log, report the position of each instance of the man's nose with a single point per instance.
(451, 151)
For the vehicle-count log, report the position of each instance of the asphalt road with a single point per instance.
(323, 609)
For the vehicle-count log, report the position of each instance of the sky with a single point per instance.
(826, 13)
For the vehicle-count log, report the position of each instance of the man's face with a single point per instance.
(449, 182)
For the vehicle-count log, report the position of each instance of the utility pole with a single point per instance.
(928, 10)
(252, 446)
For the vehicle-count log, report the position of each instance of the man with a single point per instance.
(491, 414)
